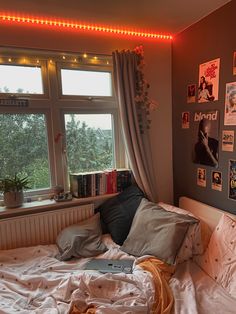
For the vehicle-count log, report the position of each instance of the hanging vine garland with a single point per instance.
(144, 104)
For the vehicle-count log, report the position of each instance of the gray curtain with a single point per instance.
(136, 140)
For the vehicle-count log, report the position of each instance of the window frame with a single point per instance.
(44, 76)
(54, 106)
(83, 67)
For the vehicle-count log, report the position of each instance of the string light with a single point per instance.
(85, 55)
(85, 27)
(9, 60)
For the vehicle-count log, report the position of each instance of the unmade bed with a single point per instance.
(34, 280)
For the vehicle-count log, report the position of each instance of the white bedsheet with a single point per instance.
(32, 281)
(197, 293)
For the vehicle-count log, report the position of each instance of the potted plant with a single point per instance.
(12, 189)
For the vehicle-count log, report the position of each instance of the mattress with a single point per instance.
(197, 293)
(32, 280)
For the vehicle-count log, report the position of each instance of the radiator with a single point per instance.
(41, 228)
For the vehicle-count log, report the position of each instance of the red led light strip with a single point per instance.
(83, 27)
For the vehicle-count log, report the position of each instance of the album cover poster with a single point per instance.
(230, 104)
(205, 150)
(234, 64)
(216, 180)
(185, 120)
(228, 140)
(232, 179)
(208, 85)
(201, 177)
(191, 93)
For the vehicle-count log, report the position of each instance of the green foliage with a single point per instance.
(24, 150)
(14, 184)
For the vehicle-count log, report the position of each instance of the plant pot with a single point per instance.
(13, 199)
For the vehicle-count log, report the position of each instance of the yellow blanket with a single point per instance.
(161, 274)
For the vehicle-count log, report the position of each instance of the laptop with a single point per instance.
(111, 265)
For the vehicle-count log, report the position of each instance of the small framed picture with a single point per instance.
(185, 120)
(216, 180)
(191, 93)
(201, 177)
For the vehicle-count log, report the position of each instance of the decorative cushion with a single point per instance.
(157, 232)
(219, 260)
(81, 240)
(118, 212)
(196, 239)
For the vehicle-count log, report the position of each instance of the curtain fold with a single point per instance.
(137, 143)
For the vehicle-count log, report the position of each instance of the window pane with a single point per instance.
(86, 83)
(89, 139)
(20, 79)
(24, 149)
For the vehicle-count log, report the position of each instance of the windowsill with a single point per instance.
(47, 205)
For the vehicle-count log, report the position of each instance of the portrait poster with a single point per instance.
(205, 150)
(234, 64)
(216, 180)
(201, 177)
(230, 104)
(185, 120)
(232, 179)
(191, 93)
(208, 85)
(228, 140)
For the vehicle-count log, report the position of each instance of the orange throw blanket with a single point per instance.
(161, 273)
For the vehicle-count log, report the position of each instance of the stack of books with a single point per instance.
(89, 184)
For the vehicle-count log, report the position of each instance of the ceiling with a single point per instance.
(166, 16)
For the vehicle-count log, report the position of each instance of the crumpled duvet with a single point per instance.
(32, 281)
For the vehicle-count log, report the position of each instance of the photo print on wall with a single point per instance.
(216, 180)
(232, 179)
(230, 104)
(206, 138)
(228, 140)
(208, 86)
(185, 120)
(191, 93)
(201, 177)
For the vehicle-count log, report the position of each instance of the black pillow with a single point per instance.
(117, 213)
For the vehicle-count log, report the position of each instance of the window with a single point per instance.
(89, 142)
(52, 136)
(27, 79)
(86, 83)
(24, 148)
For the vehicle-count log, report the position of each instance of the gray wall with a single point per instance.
(211, 38)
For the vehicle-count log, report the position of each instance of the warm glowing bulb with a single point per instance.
(63, 57)
(95, 58)
(75, 60)
(9, 59)
(37, 61)
(107, 62)
(85, 55)
(50, 60)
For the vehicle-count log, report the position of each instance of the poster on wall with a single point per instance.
(228, 140)
(206, 138)
(230, 104)
(216, 180)
(191, 93)
(208, 85)
(232, 179)
(201, 177)
(185, 120)
(234, 64)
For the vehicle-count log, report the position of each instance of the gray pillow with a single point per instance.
(81, 240)
(157, 232)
